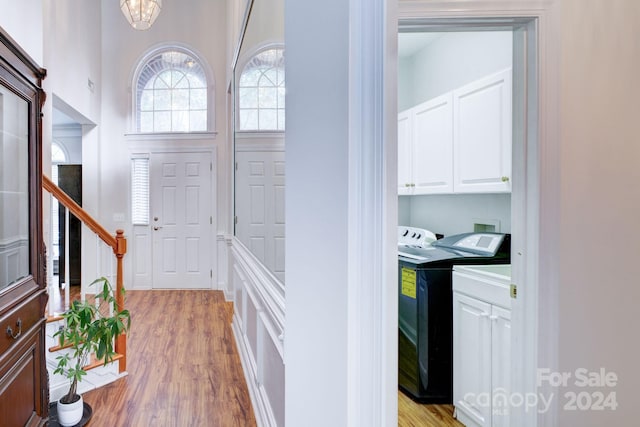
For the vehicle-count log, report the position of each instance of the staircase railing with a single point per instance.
(118, 243)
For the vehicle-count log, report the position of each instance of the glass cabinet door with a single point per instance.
(14, 188)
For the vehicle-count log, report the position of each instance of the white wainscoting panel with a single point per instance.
(258, 326)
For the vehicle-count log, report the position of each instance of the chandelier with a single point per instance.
(141, 14)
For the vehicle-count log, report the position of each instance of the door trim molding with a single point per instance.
(137, 282)
(538, 179)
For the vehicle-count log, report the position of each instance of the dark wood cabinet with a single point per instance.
(23, 374)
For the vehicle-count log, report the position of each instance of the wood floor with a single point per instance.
(183, 365)
(179, 376)
(412, 414)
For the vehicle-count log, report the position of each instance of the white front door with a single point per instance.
(181, 220)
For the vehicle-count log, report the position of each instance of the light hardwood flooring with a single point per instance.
(183, 366)
(181, 376)
(412, 414)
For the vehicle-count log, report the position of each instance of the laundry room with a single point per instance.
(455, 127)
(435, 192)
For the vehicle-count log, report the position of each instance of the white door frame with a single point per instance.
(373, 311)
(146, 148)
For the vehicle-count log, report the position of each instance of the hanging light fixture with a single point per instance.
(141, 14)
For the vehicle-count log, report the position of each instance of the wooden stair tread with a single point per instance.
(95, 363)
(55, 318)
(59, 347)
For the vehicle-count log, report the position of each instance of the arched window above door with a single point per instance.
(261, 90)
(171, 92)
(58, 154)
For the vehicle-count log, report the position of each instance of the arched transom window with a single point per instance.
(171, 93)
(261, 92)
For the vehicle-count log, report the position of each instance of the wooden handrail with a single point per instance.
(80, 213)
(118, 243)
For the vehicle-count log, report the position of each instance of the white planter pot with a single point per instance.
(70, 414)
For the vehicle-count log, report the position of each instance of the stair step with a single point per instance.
(55, 318)
(96, 363)
(59, 347)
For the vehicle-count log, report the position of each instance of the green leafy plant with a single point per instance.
(88, 330)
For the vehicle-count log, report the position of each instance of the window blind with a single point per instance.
(140, 191)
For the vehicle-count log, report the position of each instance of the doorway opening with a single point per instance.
(66, 173)
(473, 182)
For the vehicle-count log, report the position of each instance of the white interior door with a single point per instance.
(181, 220)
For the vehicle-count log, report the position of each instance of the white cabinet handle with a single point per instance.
(493, 318)
(484, 314)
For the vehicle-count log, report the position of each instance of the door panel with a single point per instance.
(181, 220)
(259, 206)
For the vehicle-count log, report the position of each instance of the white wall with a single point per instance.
(266, 25)
(405, 83)
(456, 213)
(600, 204)
(317, 142)
(72, 55)
(198, 24)
(450, 61)
(23, 21)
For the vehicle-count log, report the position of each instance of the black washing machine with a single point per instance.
(425, 331)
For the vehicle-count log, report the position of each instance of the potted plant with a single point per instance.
(90, 328)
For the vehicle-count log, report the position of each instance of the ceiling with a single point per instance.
(410, 43)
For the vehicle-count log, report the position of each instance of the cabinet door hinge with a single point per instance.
(513, 291)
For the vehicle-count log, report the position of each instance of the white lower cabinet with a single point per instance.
(481, 345)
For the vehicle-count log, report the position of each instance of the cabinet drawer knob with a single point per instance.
(505, 179)
(17, 334)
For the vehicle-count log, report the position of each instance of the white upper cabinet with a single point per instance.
(405, 130)
(459, 142)
(482, 135)
(433, 146)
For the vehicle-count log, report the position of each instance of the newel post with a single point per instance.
(120, 249)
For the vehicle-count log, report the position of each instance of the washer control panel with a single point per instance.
(414, 237)
(479, 243)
